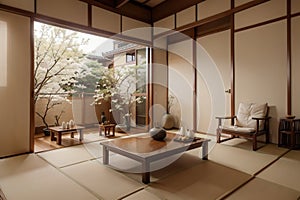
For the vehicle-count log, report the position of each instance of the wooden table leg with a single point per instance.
(205, 150)
(146, 172)
(80, 135)
(146, 177)
(72, 134)
(105, 156)
(59, 138)
(113, 129)
(100, 130)
(52, 135)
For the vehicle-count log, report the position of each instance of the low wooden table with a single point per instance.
(107, 128)
(144, 149)
(58, 130)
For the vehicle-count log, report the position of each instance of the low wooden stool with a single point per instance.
(107, 128)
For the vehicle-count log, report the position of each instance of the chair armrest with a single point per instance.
(226, 117)
(261, 118)
(221, 118)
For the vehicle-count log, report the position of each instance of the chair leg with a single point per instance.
(293, 141)
(218, 136)
(254, 143)
(267, 137)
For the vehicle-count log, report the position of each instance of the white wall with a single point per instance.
(296, 66)
(261, 71)
(15, 95)
(181, 79)
(213, 78)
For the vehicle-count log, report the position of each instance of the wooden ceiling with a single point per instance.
(147, 11)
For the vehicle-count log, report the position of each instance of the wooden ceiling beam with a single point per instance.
(128, 9)
(170, 7)
(120, 3)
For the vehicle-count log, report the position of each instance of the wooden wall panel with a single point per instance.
(240, 2)
(15, 96)
(22, 4)
(212, 7)
(136, 29)
(164, 24)
(295, 4)
(186, 16)
(261, 69)
(105, 20)
(263, 12)
(69, 10)
(295, 66)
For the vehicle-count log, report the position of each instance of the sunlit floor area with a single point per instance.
(91, 134)
(44, 143)
(232, 171)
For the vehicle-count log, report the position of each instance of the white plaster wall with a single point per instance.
(214, 77)
(69, 10)
(22, 4)
(181, 79)
(186, 16)
(261, 72)
(260, 13)
(105, 20)
(15, 96)
(212, 7)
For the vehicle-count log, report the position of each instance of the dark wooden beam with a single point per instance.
(170, 7)
(232, 61)
(16, 10)
(130, 9)
(89, 30)
(195, 94)
(214, 26)
(180, 36)
(32, 105)
(136, 11)
(289, 59)
(120, 3)
(213, 18)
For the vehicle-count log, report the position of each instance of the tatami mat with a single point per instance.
(71, 155)
(207, 180)
(30, 177)
(285, 171)
(142, 195)
(260, 189)
(164, 168)
(250, 162)
(77, 173)
(103, 181)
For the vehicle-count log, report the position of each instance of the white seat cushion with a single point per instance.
(247, 111)
(238, 129)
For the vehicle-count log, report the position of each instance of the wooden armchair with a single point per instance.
(251, 121)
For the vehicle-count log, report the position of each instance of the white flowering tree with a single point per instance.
(118, 85)
(57, 57)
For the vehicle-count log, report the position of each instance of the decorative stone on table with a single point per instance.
(158, 133)
(168, 121)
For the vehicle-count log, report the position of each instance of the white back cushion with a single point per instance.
(248, 110)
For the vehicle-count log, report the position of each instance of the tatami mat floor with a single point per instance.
(233, 171)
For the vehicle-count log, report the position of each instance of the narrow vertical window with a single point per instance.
(3, 54)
